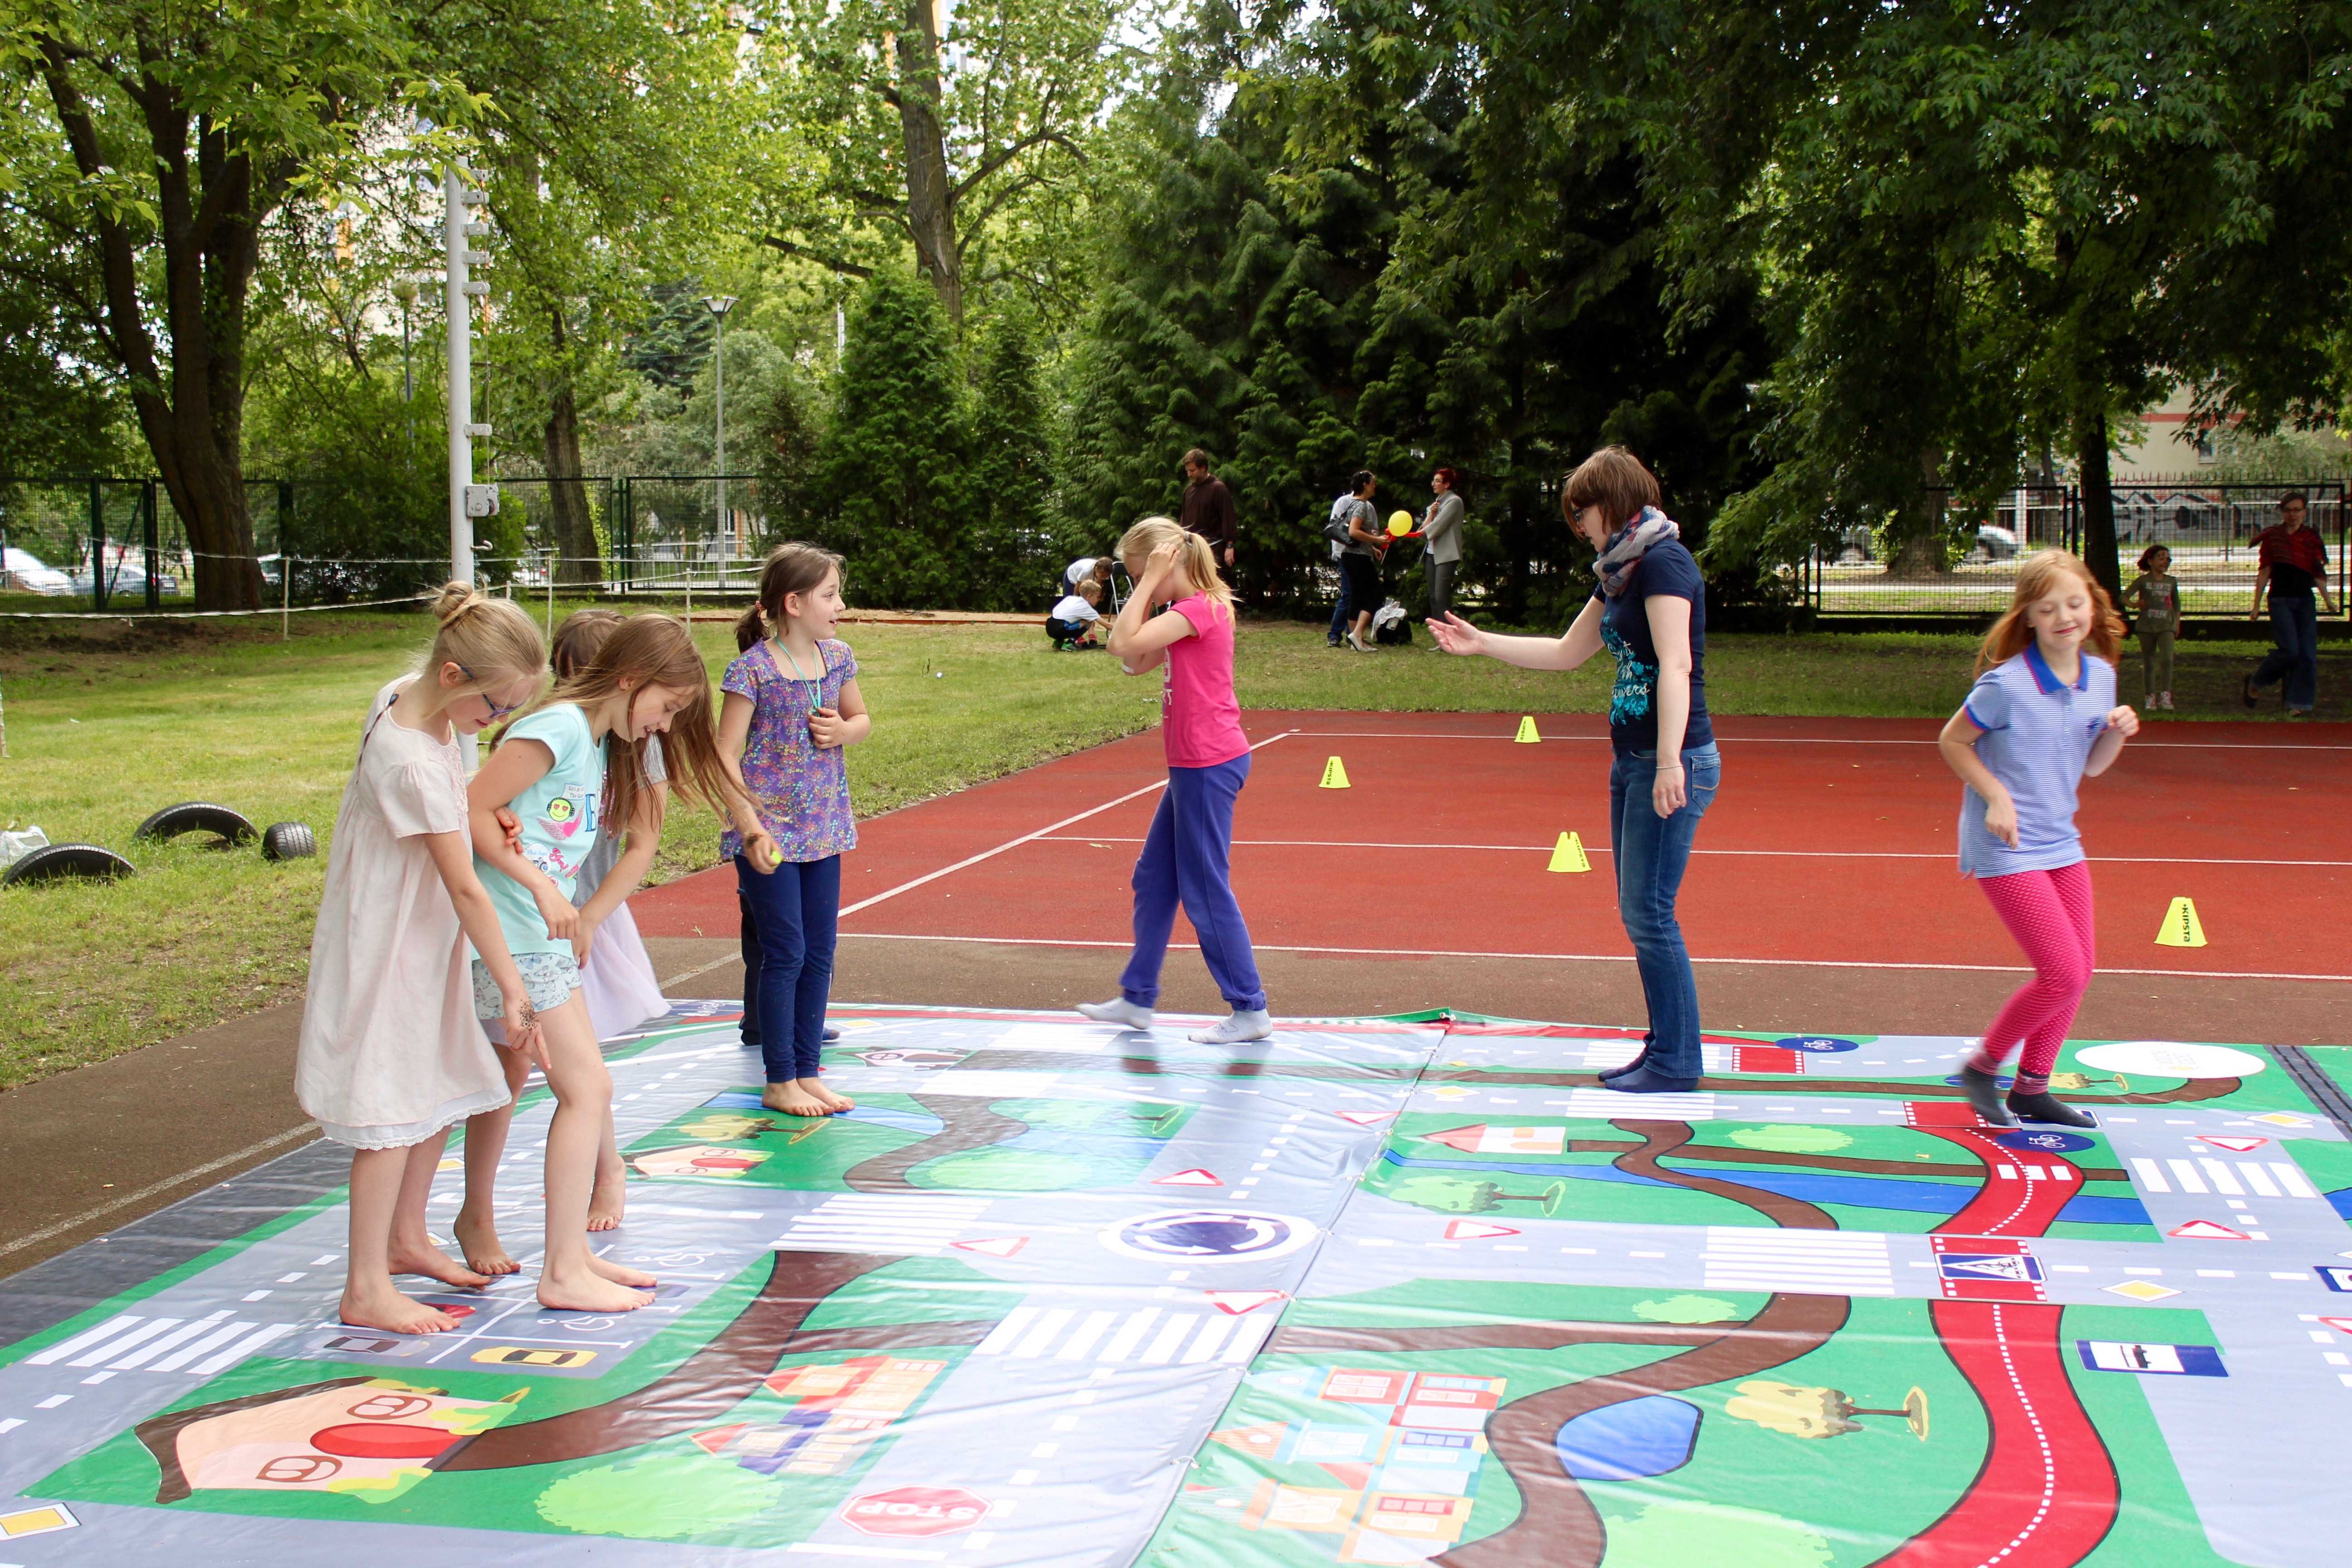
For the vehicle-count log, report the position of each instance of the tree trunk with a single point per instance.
(930, 200)
(2098, 500)
(578, 562)
(1920, 548)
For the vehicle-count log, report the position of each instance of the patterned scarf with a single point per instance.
(1616, 564)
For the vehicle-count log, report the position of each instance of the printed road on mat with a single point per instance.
(1376, 1290)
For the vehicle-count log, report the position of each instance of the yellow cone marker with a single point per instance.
(1526, 735)
(2180, 927)
(1567, 855)
(1335, 775)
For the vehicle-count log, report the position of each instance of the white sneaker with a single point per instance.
(1240, 1027)
(1118, 1010)
(2166, 699)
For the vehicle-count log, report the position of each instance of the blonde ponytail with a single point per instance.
(494, 639)
(1194, 555)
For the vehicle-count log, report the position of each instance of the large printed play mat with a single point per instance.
(1387, 1290)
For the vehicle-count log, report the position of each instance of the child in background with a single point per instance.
(1076, 620)
(2155, 595)
(390, 1056)
(2041, 717)
(791, 705)
(1188, 851)
(554, 769)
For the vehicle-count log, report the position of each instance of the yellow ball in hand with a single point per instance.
(776, 856)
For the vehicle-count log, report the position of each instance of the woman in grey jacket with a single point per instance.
(1442, 527)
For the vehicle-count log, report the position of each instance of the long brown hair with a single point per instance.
(793, 568)
(650, 650)
(2037, 575)
(578, 639)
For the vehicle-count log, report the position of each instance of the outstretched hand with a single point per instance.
(1456, 635)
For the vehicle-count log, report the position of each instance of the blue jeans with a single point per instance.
(796, 909)
(1187, 858)
(1342, 612)
(2294, 626)
(1651, 854)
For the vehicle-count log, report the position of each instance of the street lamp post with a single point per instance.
(404, 291)
(719, 304)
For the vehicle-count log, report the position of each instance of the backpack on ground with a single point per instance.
(1391, 627)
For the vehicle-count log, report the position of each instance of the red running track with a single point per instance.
(1831, 842)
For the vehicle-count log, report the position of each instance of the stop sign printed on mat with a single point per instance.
(916, 1512)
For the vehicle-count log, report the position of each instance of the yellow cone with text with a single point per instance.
(1526, 735)
(2181, 928)
(1335, 775)
(1567, 855)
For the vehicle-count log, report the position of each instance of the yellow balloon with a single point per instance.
(1399, 522)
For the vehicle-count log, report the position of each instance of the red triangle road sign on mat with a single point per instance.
(1475, 1230)
(1238, 1303)
(1188, 1179)
(2206, 1230)
(994, 1246)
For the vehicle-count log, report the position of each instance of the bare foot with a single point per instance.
(478, 1240)
(815, 1090)
(793, 1100)
(386, 1308)
(609, 1203)
(621, 1273)
(589, 1292)
(423, 1257)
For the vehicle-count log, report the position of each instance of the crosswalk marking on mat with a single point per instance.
(1831, 1262)
(132, 1343)
(1147, 1336)
(905, 1224)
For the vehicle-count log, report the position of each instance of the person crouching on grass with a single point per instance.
(1188, 852)
(2040, 718)
(1076, 618)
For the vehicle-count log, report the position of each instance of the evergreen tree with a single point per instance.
(893, 484)
(1011, 474)
(1321, 276)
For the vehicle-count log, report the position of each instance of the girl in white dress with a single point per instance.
(391, 1054)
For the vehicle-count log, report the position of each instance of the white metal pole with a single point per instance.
(719, 366)
(461, 375)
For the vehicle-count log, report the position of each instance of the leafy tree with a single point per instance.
(954, 134)
(891, 474)
(1310, 285)
(1011, 472)
(147, 143)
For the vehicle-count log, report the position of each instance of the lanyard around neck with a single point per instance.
(816, 687)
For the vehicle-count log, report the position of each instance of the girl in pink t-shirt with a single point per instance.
(1186, 855)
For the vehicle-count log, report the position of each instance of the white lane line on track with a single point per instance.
(1577, 957)
(969, 861)
(1795, 741)
(1603, 850)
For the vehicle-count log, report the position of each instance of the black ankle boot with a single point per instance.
(1635, 1066)
(1984, 1094)
(2047, 1106)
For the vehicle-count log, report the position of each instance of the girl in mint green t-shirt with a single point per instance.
(570, 769)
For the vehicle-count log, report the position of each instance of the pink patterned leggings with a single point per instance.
(2048, 913)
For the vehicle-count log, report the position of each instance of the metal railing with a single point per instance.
(1969, 566)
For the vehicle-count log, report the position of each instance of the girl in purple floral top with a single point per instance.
(791, 705)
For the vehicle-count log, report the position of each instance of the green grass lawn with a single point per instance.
(108, 721)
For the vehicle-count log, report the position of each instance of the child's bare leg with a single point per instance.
(370, 1300)
(609, 1202)
(572, 1278)
(414, 1250)
(477, 1226)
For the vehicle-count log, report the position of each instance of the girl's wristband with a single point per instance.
(1670, 767)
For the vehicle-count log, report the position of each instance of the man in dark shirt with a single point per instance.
(1208, 507)
(2293, 566)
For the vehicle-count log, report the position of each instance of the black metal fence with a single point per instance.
(1968, 565)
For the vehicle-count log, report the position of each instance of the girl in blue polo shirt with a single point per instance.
(2040, 717)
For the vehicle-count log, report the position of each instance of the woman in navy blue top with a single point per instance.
(1648, 610)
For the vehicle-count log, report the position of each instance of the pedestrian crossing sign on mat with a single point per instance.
(2010, 1267)
(2126, 1355)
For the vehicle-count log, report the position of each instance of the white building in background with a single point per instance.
(2175, 446)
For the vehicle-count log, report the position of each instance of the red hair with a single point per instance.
(2037, 576)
